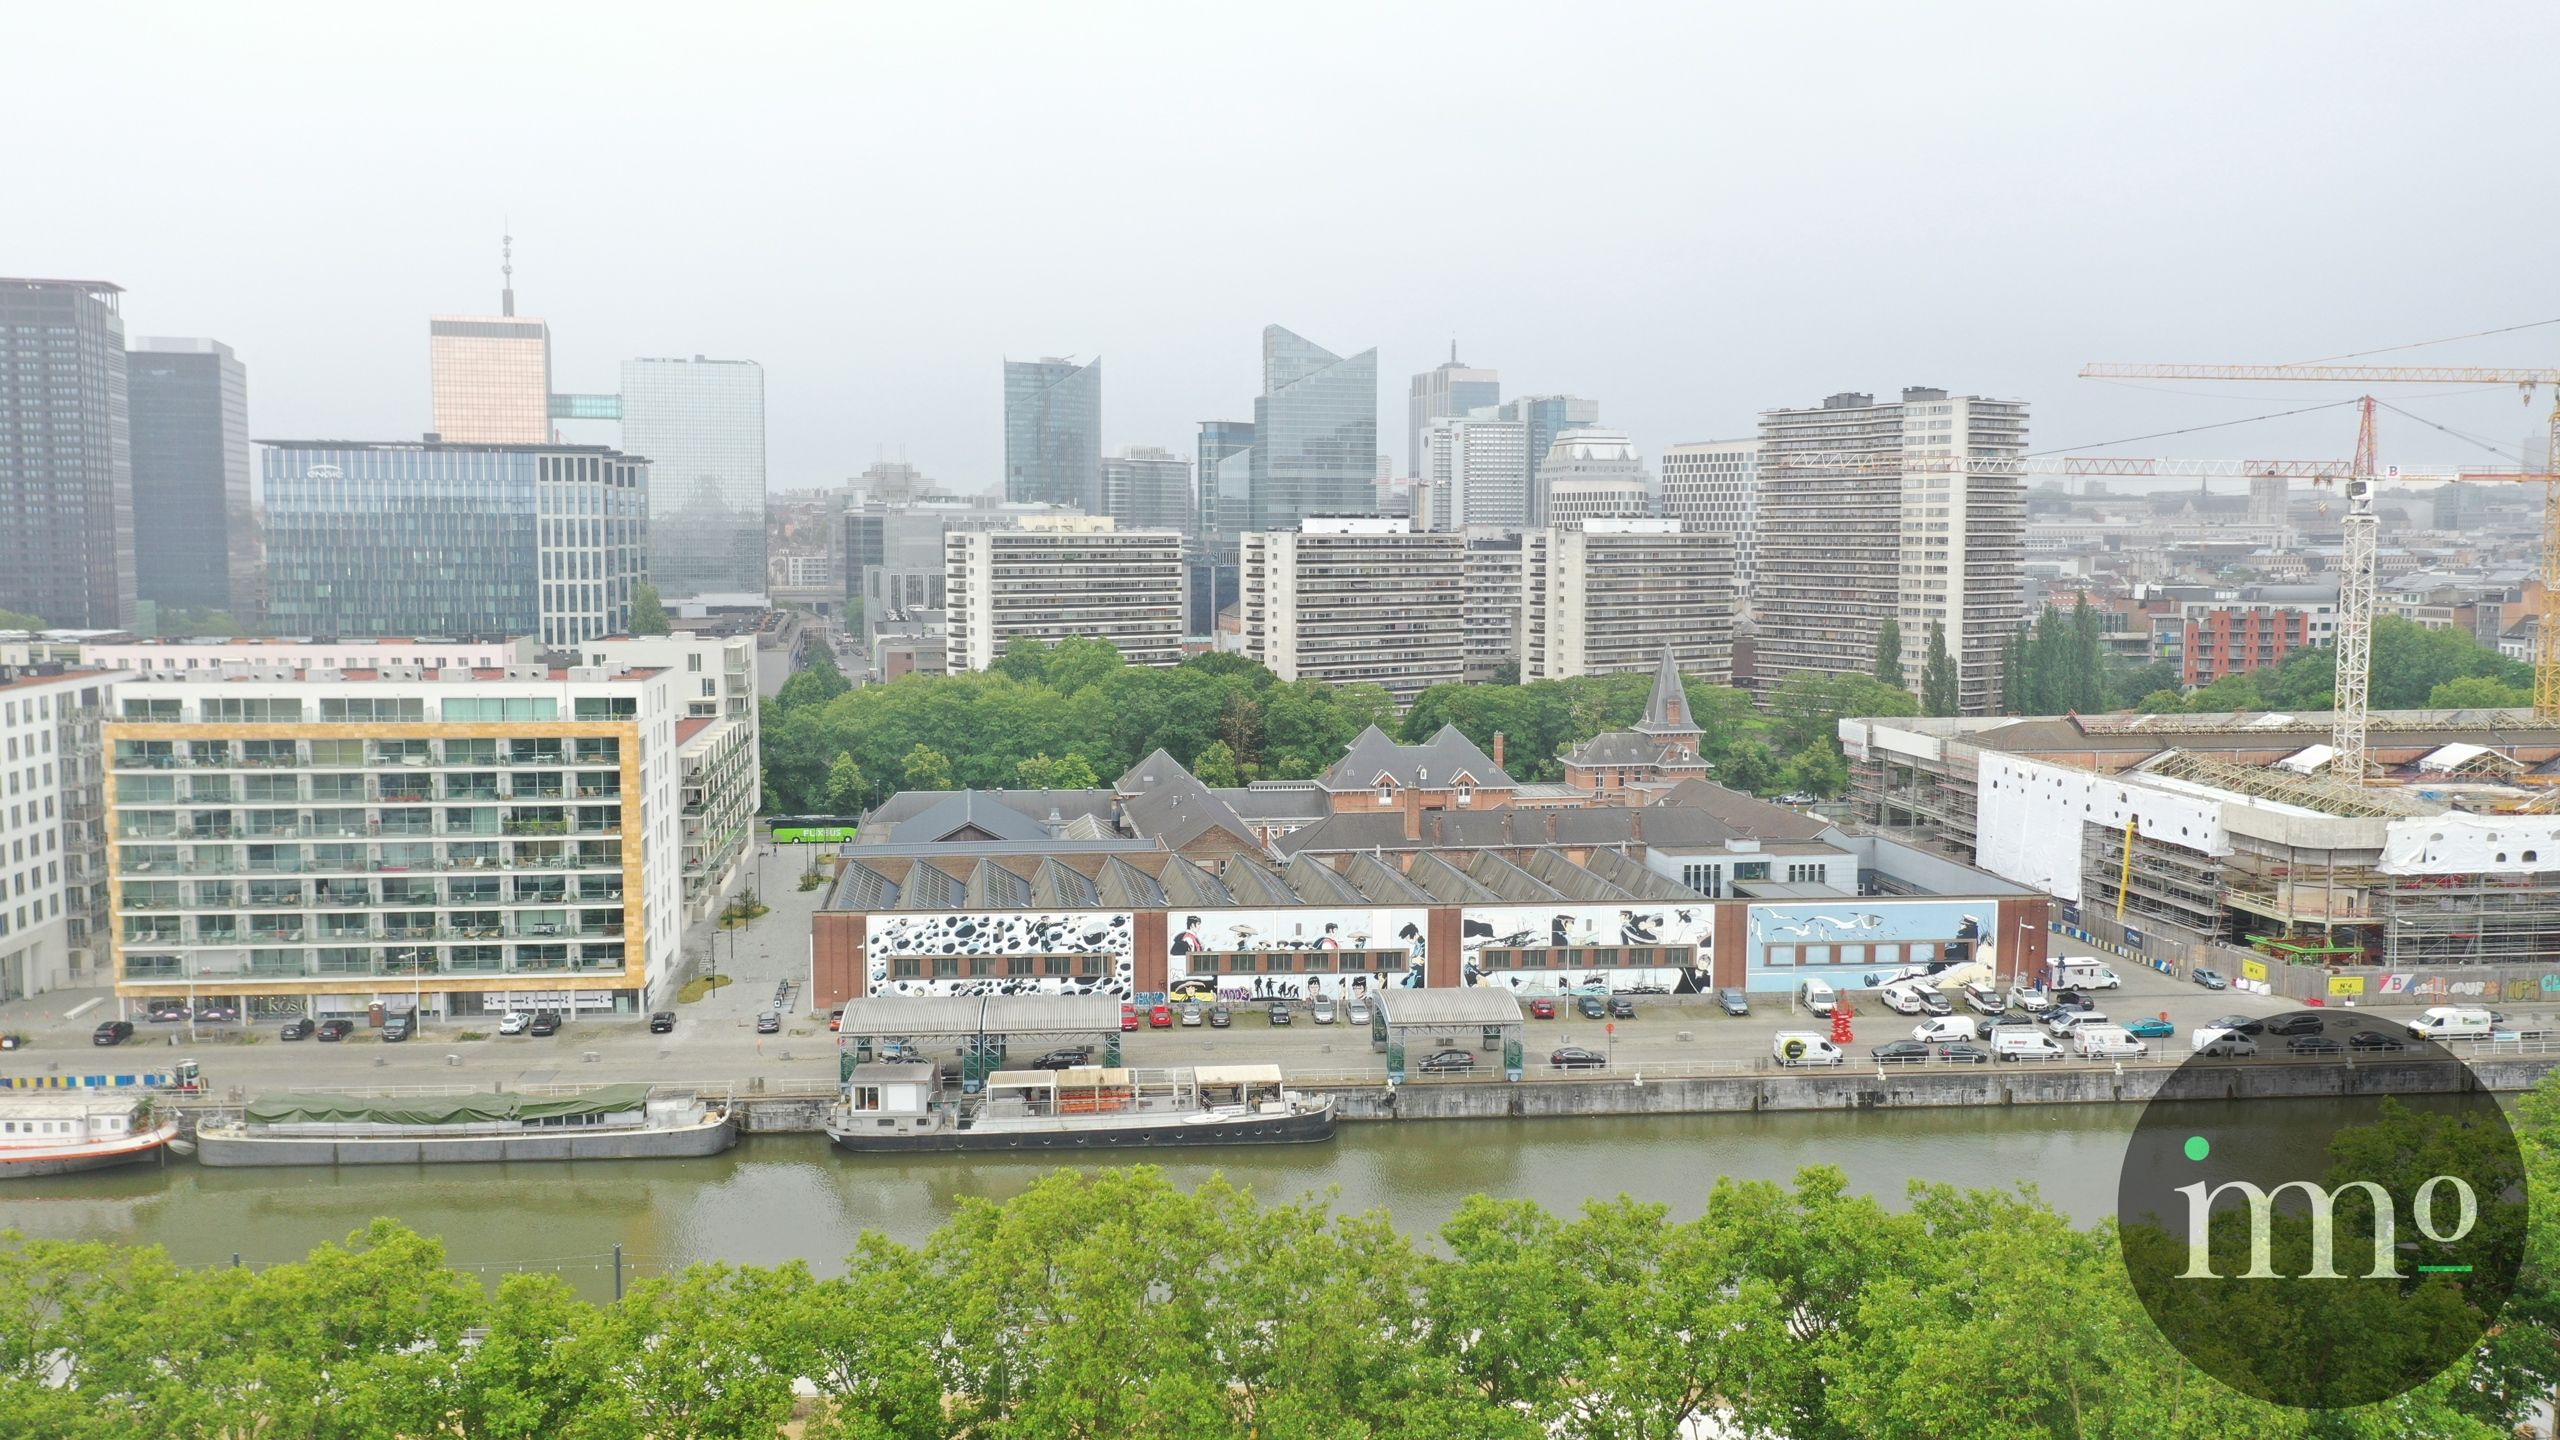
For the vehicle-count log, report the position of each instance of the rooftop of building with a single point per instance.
(438, 443)
(248, 673)
(1449, 755)
(28, 677)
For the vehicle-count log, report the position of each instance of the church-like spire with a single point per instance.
(1667, 712)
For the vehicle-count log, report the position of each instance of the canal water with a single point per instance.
(785, 1197)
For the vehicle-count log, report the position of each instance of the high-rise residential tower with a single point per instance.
(1058, 577)
(1147, 488)
(1870, 512)
(1315, 428)
(1351, 600)
(1446, 389)
(1713, 487)
(1053, 432)
(66, 471)
(1473, 474)
(700, 425)
(195, 538)
(1614, 594)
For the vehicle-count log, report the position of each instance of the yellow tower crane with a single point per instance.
(2546, 626)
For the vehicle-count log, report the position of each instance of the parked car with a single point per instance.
(2149, 1027)
(1621, 1008)
(1542, 1009)
(513, 1022)
(1128, 1018)
(2073, 1000)
(334, 1030)
(1592, 1007)
(1322, 1010)
(2210, 979)
(2031, 1000)
(1193, 1015)
(2007, 1017)
(299, 1028)
(1357, 1012)
(2242, 1024)
(1901, 1052)
(1279, 1012)
(1572, 1057)
(113, 1032)
(2375, 1040)
(2300, 1022)
(2316, 1045)
(1448, 1062)
(1734, 1001)
(769, 1023)
(664, 1021)
(1962, 1053)
(1160, 1017)
(1984, 999)
(399, 1027)
(1065, 1058)
(902, 1052)
(545, 1022)
(1221, 1016)
(835, 1020)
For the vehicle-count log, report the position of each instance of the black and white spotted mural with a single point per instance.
(928, 939)
(1485, 930)
(1271, 954)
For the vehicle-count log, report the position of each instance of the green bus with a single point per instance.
(814, 829)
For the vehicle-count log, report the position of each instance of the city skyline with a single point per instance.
(1684, 328)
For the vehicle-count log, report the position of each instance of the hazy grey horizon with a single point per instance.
(1687, 213)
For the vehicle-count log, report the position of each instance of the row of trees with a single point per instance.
(1110, 1305)
(1074, 714)
(2413, 668)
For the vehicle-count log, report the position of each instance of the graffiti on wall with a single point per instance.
(1292, 954)
(1868, 936)
(1648, 947)
(1072, 953)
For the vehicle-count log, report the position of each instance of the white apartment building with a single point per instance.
(1869, 512)
(317, 842)
(1347, 600)
(156, 658)
(1490, 623)
(1473, 473)
(1050, 582)
(51, 892)
(1608, 596)
(718, 754)
(1594, 474)
(1714, 486)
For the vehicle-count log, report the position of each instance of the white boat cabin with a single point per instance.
(52, 1121)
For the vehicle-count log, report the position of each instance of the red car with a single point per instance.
(1160, 1018)
(1128, 1017)
(1543, 1009)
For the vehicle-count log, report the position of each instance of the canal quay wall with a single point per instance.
(1797, 1090)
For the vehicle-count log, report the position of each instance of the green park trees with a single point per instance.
(648, 613)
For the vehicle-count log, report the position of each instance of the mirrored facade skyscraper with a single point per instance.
(1053, 433)
(700, 424)
(1315, 425)
(195, 538)
(66, 473)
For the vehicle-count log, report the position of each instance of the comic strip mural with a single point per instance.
(1297, 953)
(1847, 942)
(1085, 952)
(1646, 948)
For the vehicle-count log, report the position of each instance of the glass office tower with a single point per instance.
(455, 541)
(195, 538)
(66, 476)
(1315, 449)
(1053, 433)
(700, 425)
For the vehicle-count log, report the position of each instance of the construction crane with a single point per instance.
(2358, 628)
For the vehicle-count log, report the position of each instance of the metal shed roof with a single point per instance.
(913, 1015)
(1254, 884)
(1320, 884)
(1050, 1014)
(1381, 883)
(1447, 883)
(1574, 882)
(1504, 878)
(1472, 1005)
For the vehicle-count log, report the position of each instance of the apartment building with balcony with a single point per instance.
(2256, 629)
(1611, 594)
(1352, 599)
(320, 842)
(718, 755)
(1052, 582)
(52, 850)
(1490, 626)
(1870, 512)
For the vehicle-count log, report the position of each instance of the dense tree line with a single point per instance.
(2413, 668)
(1076, 714)
(1110, 1305)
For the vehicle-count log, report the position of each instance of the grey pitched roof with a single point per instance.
(860, 887)
(1383, 884)
(1320, 884)
(1254, 884)
(1032, 805)
(1616, 747)
(1054, 886)
(962, 810)
(1435, 762)
(1573, 882)
(1749, 816)
(993, 887)
(1280, 800)
(1630, 874)
(1446, 883)
(1163, 801)
(1666, 710)
(1187, 884)
(930, 889)
(1124, 886)
(1503, 878)
(1345, 832)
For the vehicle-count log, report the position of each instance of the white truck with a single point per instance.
(2452, 1022)
(1792, 1048)
(2079, 972)
(2024, 1043)
(2107, 1042)
(1942, 1028)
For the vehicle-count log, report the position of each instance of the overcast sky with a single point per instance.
(1688, 212)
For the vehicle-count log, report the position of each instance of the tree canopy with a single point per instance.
(2411, 665)
(648, 615)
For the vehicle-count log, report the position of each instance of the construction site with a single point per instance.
(2328, 844)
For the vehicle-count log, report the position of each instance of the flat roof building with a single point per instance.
(1351, 600)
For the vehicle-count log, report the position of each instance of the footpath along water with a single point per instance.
(778, 1198)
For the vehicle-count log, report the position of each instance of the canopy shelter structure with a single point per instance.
(1478, 1017)
(980, 1029)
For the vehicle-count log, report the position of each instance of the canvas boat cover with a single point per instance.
(441, 1109)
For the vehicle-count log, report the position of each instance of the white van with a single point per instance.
(2018, 1042)
(2214, 1040)
(2066, 1023)
(1939, 1028)
(2452, 1022)
(1902, 997)
(1816, 996)
(2107, 1042)
(1805, 1047)
(2080, 972)
(1984, 998)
